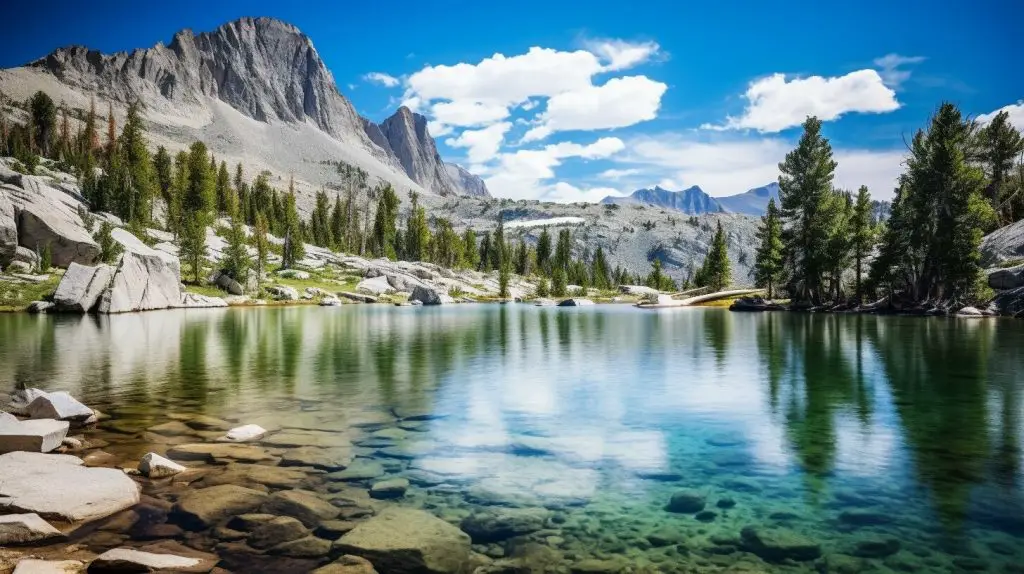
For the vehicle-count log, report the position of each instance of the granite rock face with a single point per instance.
(409, 141)
(144, 280)
(81, 286)
(465, 183)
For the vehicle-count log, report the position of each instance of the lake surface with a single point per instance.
(891, 443)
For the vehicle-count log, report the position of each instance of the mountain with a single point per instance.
(752, 202)
(693, 200)
(256, 91)
(466, 183)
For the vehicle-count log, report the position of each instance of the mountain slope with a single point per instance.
(256, 91)
(466, 183)
(692, 201)
(752, 202)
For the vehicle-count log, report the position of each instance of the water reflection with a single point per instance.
(579, 403)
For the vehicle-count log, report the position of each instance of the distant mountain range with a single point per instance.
(694, 201)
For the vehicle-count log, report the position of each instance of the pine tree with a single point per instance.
(863, 241)
(542, 288)
(558, 282)
(1001, 144)
(504, 278)
(90, 136)
(522, 258)
(235, 260)
(600, 276)
(223, 189)
(563, 251)
(262, 245)
(839, 241)
(110, 250)
(484, 252)
(805, 187)
(338, 224)
(192, 245)
(199, 198)
(111, 131)
(417, 234)
(470, 253)
(164, 171)
(138, 186)
(294, 250)
(44, 122)
(716, 270)
(768, 262)
(64, 151)
(385, 225)
(179, 187)
(544, 252)
(447, 244)
(319, 221)
(656, 278)
(498, 253)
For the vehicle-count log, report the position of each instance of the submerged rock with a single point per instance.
(58, 487)
(153, 558)
(347, 564)
(276, 531)
(156, 466)
(209, 506)
(25, 529)
(387, 489)
(686, 502)
(360, 469)
(219, 452)
(245, 433)
(407, 540)
(304, 505)
(495, 525)
(777, 544)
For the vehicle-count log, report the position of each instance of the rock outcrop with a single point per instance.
(145, 279)
(81, 286)
(407, 540)
(464, 182)
(1004, 244)
(410, 142)
(430, 296)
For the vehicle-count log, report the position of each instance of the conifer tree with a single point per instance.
(485, 252)
(385, 225)
(111, 131)
(447, 244)
(522, 258)
(294, 250)
(223, 189)
(44, 121)
(470, 252)
(199, 197)
(262, 245)
(338, 224)
(716, 271)
(768, 262)
(164, 172)
(563, 251)
(138, 185)
(600, 274)
(90, 138)
(544, 251)
(504, 278)
(498, 253)
(1001, 144)
(417, 234)
(64, 141)
(179, 187)
(863, 241)
(110, 250)
(192, 245)
(558, 282)
(235, 259)
(805, 188)
(319, 221)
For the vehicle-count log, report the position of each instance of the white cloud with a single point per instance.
(1016, 112)
(386, 80)
(563, 192)
(617, 173)
(618, 103)
(437, 129)
(482, 144)
(726, 167)
(620, 54)
(468, 113)
(890, 65)
(524, 173)
(775, 103)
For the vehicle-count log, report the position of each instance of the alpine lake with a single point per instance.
(593, 439)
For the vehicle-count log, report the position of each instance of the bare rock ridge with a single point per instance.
(694, 201)
(466, 183)
(262, 68)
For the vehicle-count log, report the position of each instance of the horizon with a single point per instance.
(585, 105)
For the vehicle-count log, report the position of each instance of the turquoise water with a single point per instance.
(881, 443)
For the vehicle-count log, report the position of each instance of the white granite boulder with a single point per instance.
(33, 566)
(25, 529)
(283, 293)
(153, 465)
(81, 286)
(145, 279)
(36, 436)
(58, 487)
(60, 406)
(245, 433)
(375, 286)
(132, 560)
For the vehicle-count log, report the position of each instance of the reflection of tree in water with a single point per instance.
(810, 380)
(716, 331)
(937, 372)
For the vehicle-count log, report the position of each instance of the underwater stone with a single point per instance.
(777, 544)
(686, 502)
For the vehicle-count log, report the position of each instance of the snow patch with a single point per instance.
(545, 222)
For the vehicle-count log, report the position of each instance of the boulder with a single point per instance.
(33, 566)
(134, 560)
(60, 406)
(1011, 278)
(153, 465)
(403, 282)
(8, 232)
(361, 469)
(22, 398)
(359, 298)
(227, 283)
(283, 293)
(375, 286)
(388, 489)
(498, 524)
(58, 487)
(208, 507)
(408, 540)
(304, 505)
(45, 217)
(970, 312)
(28, 258)
(308, 547)
(273, 532)
(575, 302)
(330, 301)
(686, 502)
(245, 433)
(145, 279)
(25, 529)
(36, 436)
(429, 296)
(81, 287)
(37, 307)
(638, 290)
(19, 267)
(347, 564)
(778, 544)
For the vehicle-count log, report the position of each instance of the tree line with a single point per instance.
(821, 245)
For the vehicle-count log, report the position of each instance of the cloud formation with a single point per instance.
(386, 80)
(1016, 112)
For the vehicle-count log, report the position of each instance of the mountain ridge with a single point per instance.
(695, 201)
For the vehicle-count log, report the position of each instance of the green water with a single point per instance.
(896, 441)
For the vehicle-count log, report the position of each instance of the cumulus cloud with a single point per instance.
(617, 173)
(524, 174)
(1016, 112)
(563, 192)
(890, 68)
(729, 166)
(482, 144)
(620, 54)
(386, 80)
(776, 103)
(466, 95)
(620, 102)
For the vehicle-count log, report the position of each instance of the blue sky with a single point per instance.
(575, 100)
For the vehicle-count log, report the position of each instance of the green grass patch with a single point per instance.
(207, 289)
(16, 296)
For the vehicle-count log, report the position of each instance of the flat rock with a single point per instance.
(498, 524)
(408, 540)
(156, 466)
(219, 452)
(247, 433)
(295, 439)
(18, 529)
(206, 422)
(38, 436)
(172, 428)
(304, 505)
(321, 458)
(209, 506)
(347, 564)
(778, 544)
(334, 529)
(32, 566)
(388, 489)
(254, 475)
(158, 557)
(361, 469)
(58, 487)
(273, 532)
(308, 547)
